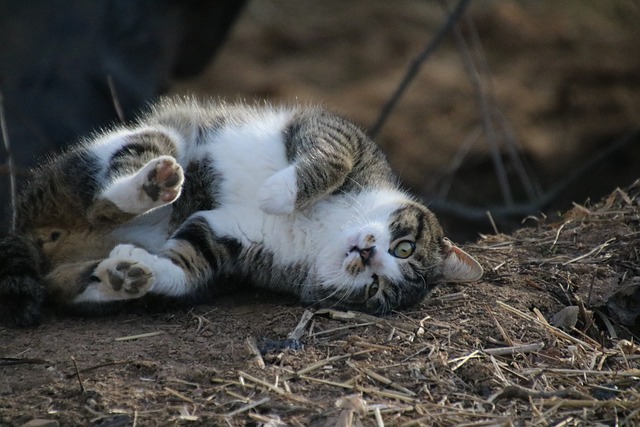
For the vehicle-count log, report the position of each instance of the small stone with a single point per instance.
(566, 318)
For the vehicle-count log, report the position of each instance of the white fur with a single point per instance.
(257, 206)
(103, 290)
(169, 278)
(93, 293)
(277, 196)
(350, 221)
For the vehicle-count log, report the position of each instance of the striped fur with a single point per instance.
(293, 199)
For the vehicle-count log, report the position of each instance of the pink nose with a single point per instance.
(365, 253)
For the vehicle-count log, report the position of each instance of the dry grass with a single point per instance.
(499, 352)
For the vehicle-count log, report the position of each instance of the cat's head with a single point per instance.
(388, 255)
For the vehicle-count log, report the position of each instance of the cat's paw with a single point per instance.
(156, 184)
(277, 196)
(163, 179)
(116, 280)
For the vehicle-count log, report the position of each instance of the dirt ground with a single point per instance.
(477, 354)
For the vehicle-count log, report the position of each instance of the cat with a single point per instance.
(293, 199)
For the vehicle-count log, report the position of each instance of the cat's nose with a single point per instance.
(366, 253)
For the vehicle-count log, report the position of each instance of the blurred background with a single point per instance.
(526, 107)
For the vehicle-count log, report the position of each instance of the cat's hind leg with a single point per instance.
(157, 183)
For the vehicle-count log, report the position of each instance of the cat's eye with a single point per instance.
(404, 249)
(374, 287)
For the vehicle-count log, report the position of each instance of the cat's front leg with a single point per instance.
(112, 279)
(277, 196)
(156, 184)
(116, 280)
(128, 273)
(322, 150)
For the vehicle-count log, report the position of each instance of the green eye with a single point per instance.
(403, 249)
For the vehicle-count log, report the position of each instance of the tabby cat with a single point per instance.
(292, 199)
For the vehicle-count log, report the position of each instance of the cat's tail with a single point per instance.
(21, 288)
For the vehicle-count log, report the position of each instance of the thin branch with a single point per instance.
(456, 162)
(415, 66)
(531, 186)
(485, 111)
(77, 372)
(511, 141)
(10, 164)
(473, 213)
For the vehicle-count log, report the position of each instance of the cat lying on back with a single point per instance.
(293, 199)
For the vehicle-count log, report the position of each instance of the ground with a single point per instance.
(501, 351)
(474, 354)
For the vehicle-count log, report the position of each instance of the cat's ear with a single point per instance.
(459, 266)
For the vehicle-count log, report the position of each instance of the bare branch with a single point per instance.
(485, 112)
(520, 210)
(416, 64)
(509, 137)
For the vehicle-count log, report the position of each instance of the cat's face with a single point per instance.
(388, 257)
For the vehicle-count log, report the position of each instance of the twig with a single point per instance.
(553, 329)
(135, 337)
(275, 389)
(595, 251)
(386, 393)
(581, 372)
(416, 64)
(422, 350)
(493, 223)
(10, 164)
(378, 415)
(508, 135)
(178, 395)
(300, 329)
(248, 406)
(380, 378)
(525, 348)
(323, 362)
(342, 328)
(252, 346)
(327, 382)
(464, 359)
(504, 334)
(522, 393)
(75, 366)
